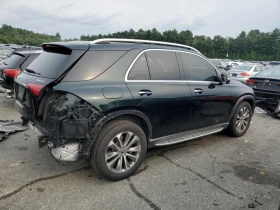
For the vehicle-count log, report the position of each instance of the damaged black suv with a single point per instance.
(110, 100)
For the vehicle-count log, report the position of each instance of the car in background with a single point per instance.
(266, 86)
(244, 71)
(220, 64)
(7, 51)
(13, 66)
(234, 63)
(109, 100)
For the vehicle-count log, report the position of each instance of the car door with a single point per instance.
(212, 101)
(155, 82)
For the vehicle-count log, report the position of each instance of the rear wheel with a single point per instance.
(119, 150)
(241, 120)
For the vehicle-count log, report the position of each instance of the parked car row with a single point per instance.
(109, 100)
(15, 64)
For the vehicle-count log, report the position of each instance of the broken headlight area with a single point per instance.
(66, 124)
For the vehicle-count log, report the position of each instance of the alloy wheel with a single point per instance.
(123, 152)
(242, 120)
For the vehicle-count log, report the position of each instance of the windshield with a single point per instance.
(273, 73)
(242, 68)
(14, 60)
(223, 64)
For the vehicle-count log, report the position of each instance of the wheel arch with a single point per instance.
(248, 98)
(135, 116)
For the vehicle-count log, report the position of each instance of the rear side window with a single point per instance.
(163, 65)
(140, 69)
(197, 68)
(29, 60)
(14, 60)
(92, 64)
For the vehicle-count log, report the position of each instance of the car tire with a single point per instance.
(236, 126)
(111, 157)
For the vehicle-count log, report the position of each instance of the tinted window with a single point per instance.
(29, 60)
(197, 68)
(14, 60)
(272, 73)
(140, 70)
(163, 65)
(49, 64)
(92, 64)
(258, 69)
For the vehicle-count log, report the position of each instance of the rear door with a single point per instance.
(212, 103)
(155, 82)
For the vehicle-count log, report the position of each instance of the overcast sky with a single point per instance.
(73, 18)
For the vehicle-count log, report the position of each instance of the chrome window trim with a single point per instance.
(179, 51)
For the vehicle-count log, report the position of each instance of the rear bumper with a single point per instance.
(262, 95)
(66, 129)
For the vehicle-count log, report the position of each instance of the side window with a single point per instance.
(163, 65)
(29, 60)
(258, 69)
(140, 70)
(197, 68)
(92, 64)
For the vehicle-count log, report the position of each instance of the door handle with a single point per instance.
(198, 91)
(145, 92)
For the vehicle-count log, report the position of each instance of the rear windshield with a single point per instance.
(242, 68)
(273, 73)
(49, 64)
(14, 60)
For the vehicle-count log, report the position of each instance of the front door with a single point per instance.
(212, 101)
(155, 82)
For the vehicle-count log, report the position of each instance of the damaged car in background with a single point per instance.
(266, 86)
(109, 100)
(13, 66)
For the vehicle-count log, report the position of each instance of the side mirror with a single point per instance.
(229, 66)
(225, 78)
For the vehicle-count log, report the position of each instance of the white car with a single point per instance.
(234, 63)
(244, 71)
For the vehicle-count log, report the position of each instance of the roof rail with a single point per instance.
(139, 41)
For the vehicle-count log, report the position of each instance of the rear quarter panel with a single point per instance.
(113, 79)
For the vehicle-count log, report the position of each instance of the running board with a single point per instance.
(186, 136)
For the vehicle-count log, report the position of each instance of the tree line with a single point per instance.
(11, 35)
(254, 45)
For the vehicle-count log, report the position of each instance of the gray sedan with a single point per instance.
(243, 72)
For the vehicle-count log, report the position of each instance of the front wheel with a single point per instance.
(241, 120)
(119, 150)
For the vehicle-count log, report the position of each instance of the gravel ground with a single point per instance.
(213, 172)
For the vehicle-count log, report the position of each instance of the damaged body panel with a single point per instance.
(8, 127)
(66, 123)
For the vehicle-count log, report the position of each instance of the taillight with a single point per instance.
(35, 88)
(11, 72)
(250, 81)
(244, 74)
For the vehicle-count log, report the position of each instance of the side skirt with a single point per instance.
(186, 136)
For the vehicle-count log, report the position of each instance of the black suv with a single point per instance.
(111, 99)
(14, 65)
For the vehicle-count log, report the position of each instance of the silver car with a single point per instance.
(244, 71)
